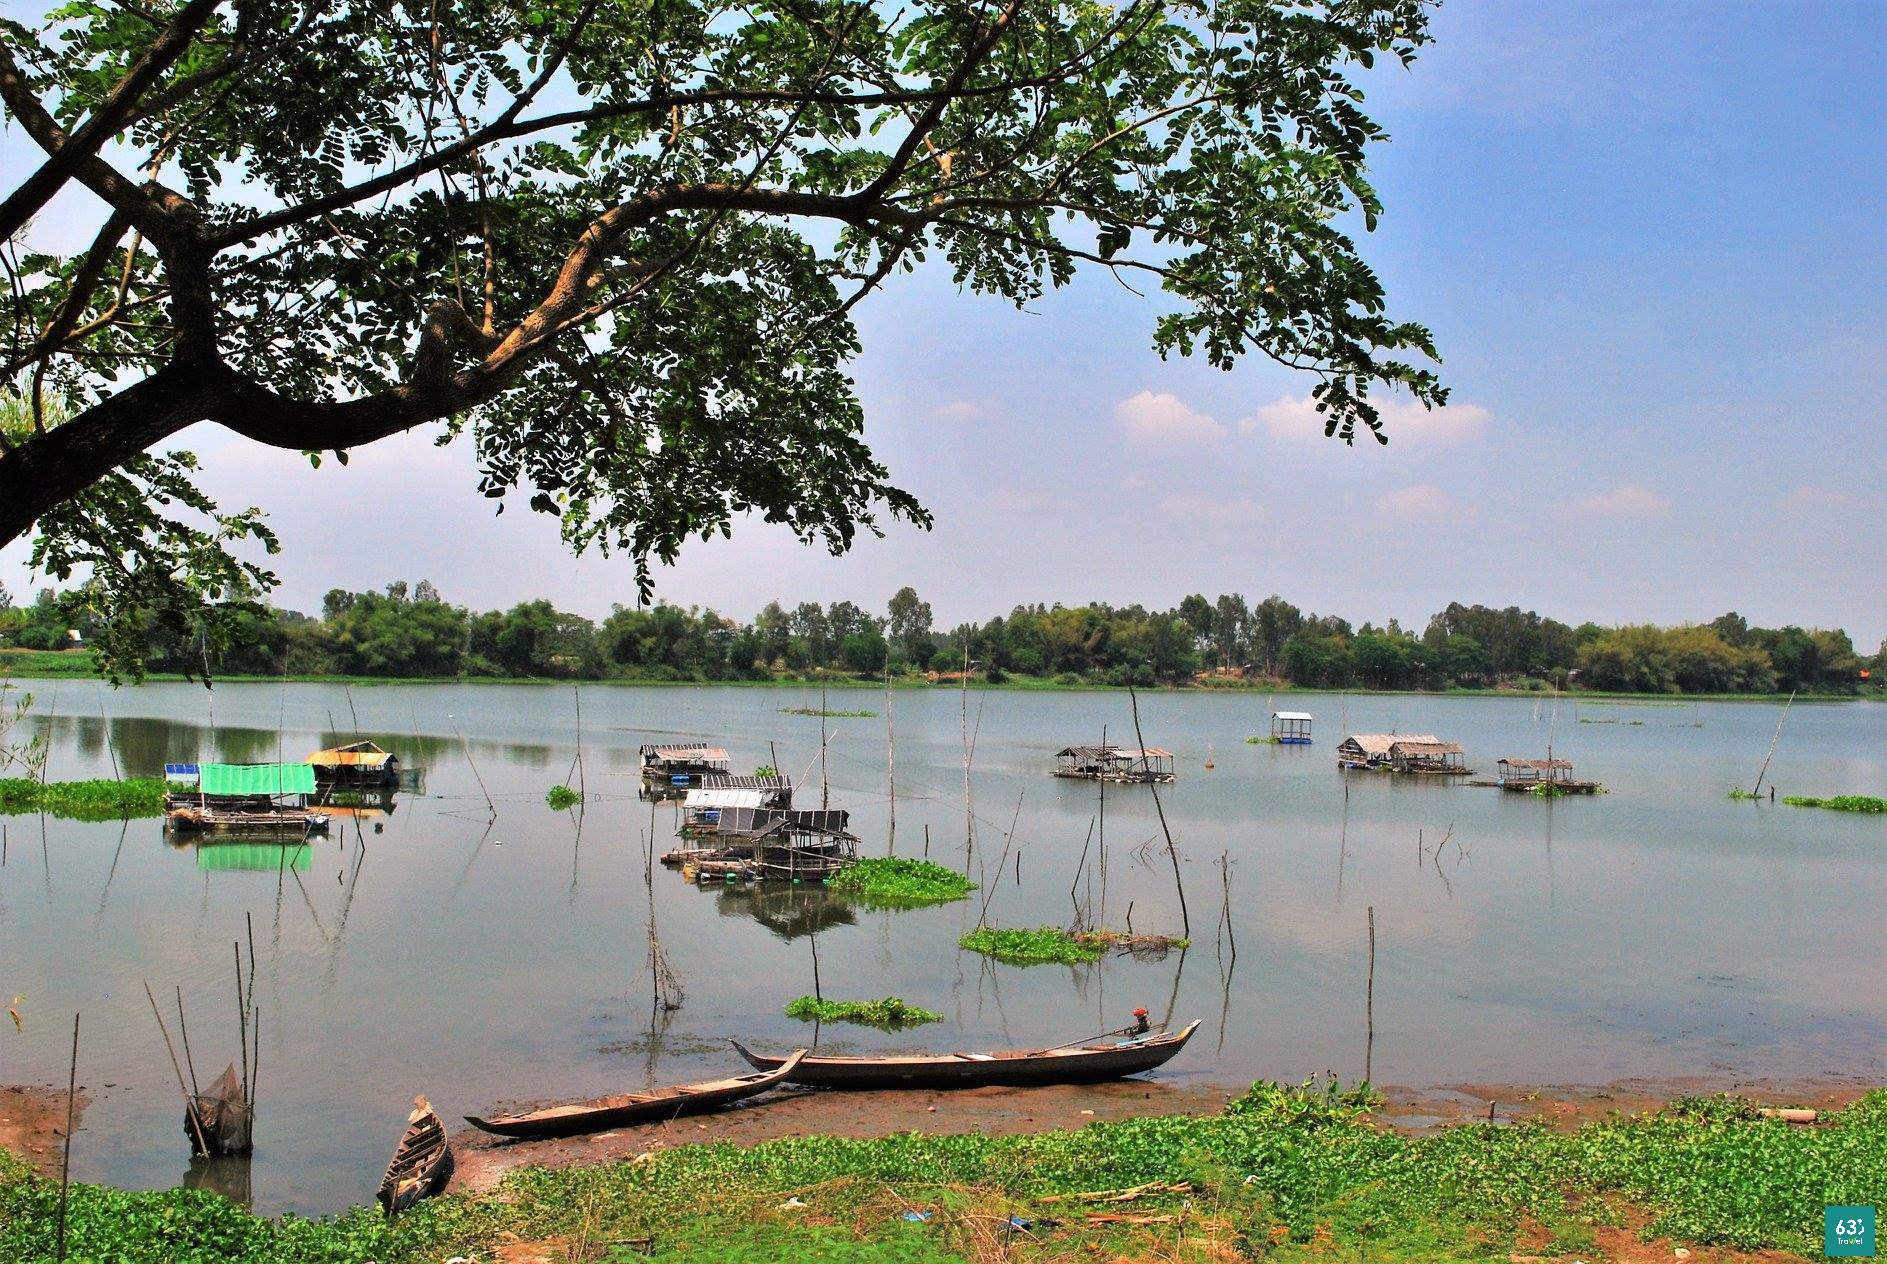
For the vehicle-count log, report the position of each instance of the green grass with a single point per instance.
(1840, 803)
(889, 1014)
(1286, 1174)
(900, 883)
(101, 800)
(561, 797)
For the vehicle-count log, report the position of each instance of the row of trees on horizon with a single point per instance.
(413, 631)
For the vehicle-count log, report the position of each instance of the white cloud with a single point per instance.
(1426, 503)
(959, 410)
(1404, 420)
(1165, 418)
(1629, 500)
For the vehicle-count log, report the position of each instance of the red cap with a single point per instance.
(1140, 1011)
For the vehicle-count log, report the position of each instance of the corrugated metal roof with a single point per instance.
(733, 781)
(689, 754)
(249, 779)
(1292, 715)
(756, 821)
(1113, 752)
(1541, 765)
(724, 797)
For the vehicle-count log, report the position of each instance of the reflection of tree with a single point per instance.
(788, 911)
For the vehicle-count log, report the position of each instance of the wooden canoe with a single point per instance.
(1104, 1059)
(634, 1108)
(423, 1163)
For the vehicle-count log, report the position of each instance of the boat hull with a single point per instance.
(606, 1113)
(1085, 1065)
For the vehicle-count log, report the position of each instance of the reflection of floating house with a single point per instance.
(683, 764)
(246, 799)
(770, 843)
(1115, 763)
(254, 857)
(1541, 776)
(775, 792)
(1291, 728)
(1415, 753)
(357, 764)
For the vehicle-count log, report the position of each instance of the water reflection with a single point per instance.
(788, 911)
(231, 1175)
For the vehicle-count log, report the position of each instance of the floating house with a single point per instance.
(1421, 753)
(702, 807)
(682, 765)
(1541, 776)
(1150, 765)
(1367, 750)
(246, 799)
(1428, 755)
(357, 764)
(1291, 728)
(796, 845)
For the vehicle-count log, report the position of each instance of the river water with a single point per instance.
(1657, 930)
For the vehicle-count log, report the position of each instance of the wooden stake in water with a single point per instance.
(891, 765)
(1185, 921)
(1369, 1001)
(65, 1165)
(1772, 743)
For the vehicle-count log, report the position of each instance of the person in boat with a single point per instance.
(1140, 1025)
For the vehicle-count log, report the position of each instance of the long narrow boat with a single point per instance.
(634, 1108)
(423, 1163)
(1103, 1059)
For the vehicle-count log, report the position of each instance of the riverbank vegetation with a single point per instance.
(414, 633)
(1285, 1174)
(97, 800)
(895, 880)
(890, 1014)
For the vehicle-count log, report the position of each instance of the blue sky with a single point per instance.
(1649, 239)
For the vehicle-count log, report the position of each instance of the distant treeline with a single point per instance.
(415, 632)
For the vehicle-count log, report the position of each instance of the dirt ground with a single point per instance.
(484, 1159)
(33, 1123)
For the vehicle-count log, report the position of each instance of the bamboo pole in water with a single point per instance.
(1369, 1001)
(1185, 920)
(1772, 743)
(891, 764)
(65, 1164)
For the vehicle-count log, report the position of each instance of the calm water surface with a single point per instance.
(1658, 930)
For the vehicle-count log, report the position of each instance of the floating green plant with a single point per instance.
(561, 797)
(1840, 803)
(830, 715)
(1737, 792)
(898, 881)
(1265, 740)
(99, 800)
(1034, 947)
(888, 1014)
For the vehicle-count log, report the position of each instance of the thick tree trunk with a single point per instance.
(50, 468)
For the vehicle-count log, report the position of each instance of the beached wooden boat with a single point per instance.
(1107, 1058)
(423, 1163)
(655, 1105)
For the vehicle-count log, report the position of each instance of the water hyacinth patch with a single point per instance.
(1840, 803)
(1035, 947)
(900, 882)
(889, 1014)
(561, 797)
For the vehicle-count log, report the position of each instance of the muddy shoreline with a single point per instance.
(484, 1159)
(33, 1123)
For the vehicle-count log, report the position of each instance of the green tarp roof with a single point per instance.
(246, 779)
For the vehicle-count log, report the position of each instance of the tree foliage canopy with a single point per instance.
(616, 244)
